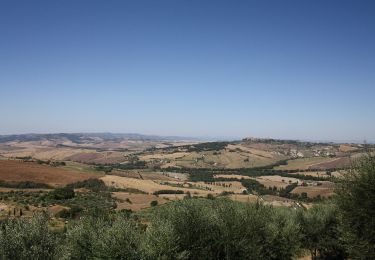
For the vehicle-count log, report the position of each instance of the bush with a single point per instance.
(168, 192)
(356, 202)
(62, 193)
(221, 229)
(24, 185)
(27, 239)
(320, 231)
(91, 184)
(154, 203)
(70, 213)
(102, 238)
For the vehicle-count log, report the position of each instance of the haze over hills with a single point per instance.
(82, 137)
(109, 136)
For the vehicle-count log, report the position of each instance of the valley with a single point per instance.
(144, 169)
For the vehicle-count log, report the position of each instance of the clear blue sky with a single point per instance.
(283, 69)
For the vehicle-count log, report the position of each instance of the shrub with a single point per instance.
(70, 213)
(356, 202)
(91, 184)
(27, 239)
(168, 192)
(62, 193)
(24, 185)
(221, 229)
(320, 231)
(102, 238)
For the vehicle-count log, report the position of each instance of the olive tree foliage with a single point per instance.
(27, 239)
(356, 202)
(221, 229)
(161, 242)
(102, 238)
(320, 231)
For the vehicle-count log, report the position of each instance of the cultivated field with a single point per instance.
(277, 181)
(320, 174)
(232, 176)
(304, 163)
(17, 171)
(148, 186)
(337, 163)
(137, 202)
(220, 186)
(143, 175)
(313, 191)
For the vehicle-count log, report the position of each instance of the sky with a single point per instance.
(282, 69)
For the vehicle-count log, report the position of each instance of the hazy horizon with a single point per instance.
(203, 137)
(286, 70)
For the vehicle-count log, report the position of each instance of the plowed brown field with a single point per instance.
(17, 171)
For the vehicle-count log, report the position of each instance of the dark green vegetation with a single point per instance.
(320, 232)
(24, 185)
(91, 184)
(212, 228)
(189, 229)
(356, 200)
(122, 166)
(200, 147)
(51, 163)
(168, 192)
(207, 174)
(211, 146)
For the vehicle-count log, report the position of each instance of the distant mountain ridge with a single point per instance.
(81, 137)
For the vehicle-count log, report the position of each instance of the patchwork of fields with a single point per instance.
(140, 173)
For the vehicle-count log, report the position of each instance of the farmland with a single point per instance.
(73, 181)
(17, 171)
(136, 202)
(141, 170)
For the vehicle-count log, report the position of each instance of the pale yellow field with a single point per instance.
(232, 176)
(268, 181)
(278, 201)
(321, 174)
(253, 151)
(244, 198)
(221, 159)
(267, 199)
(220, 186)
(233, 156)
(43, 153)
(142, 174)
(163, 156)
(277, 181)
(303, 163)
(314, 191)
(347, 148)
(148, 186)
(137, 201)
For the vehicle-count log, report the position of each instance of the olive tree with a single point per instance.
(356, 202)
(27, 239)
